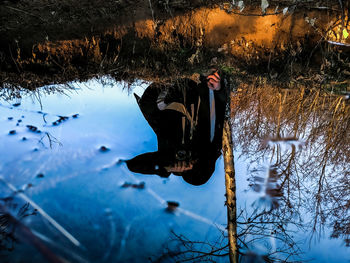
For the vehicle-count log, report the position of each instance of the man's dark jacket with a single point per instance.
(192, 140)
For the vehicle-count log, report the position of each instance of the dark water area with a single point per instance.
(83, 187)
(67, 191)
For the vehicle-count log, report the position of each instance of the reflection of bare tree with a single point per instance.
(7, 238)
(340, 209)
(258, 228)
(272, 123)
(9, 223)
(271, 230)
(301, 137)
(231, 200)
(12, 230)
(183, 249)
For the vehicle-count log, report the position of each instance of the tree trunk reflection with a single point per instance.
(230, 182)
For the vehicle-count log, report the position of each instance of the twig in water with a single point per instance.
(43, 213)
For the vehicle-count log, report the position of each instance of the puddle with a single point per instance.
(294, 148)
(101, 170)
(91, 208)
(84, 204)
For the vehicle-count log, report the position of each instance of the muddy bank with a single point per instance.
(37, 21)
(161, 42)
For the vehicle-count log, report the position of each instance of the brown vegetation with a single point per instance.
(304, 135)
(164, 40)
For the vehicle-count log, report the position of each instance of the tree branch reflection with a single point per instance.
(297, 146)
(303, 134)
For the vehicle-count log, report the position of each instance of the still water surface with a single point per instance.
(91, 208)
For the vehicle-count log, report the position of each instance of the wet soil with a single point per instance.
(47, 42)
(31, 22)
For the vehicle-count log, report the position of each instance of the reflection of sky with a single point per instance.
(315, 247)
(81, 188)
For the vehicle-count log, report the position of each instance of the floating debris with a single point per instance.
(75, 116)
(172, 206)
(40, 175)
(60, 120)
(140, 185)
(104, 149)
(126, 185)
(10, 118)
(24, 139)
(63, 118)
(12, 132)
(19, 120)
(32, 128)
(16, 104)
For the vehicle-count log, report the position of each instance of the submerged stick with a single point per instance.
(42, 212)
(24, 234)
(230, 183)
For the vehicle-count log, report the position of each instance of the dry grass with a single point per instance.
(303, 135)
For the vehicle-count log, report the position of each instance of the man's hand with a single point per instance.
(179, 167)
(213, 81)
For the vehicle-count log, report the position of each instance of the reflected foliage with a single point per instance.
(297, 144)
(183, 249)
(303, 136)
(9, 222)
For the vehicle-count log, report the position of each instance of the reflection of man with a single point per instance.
(187, 118)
